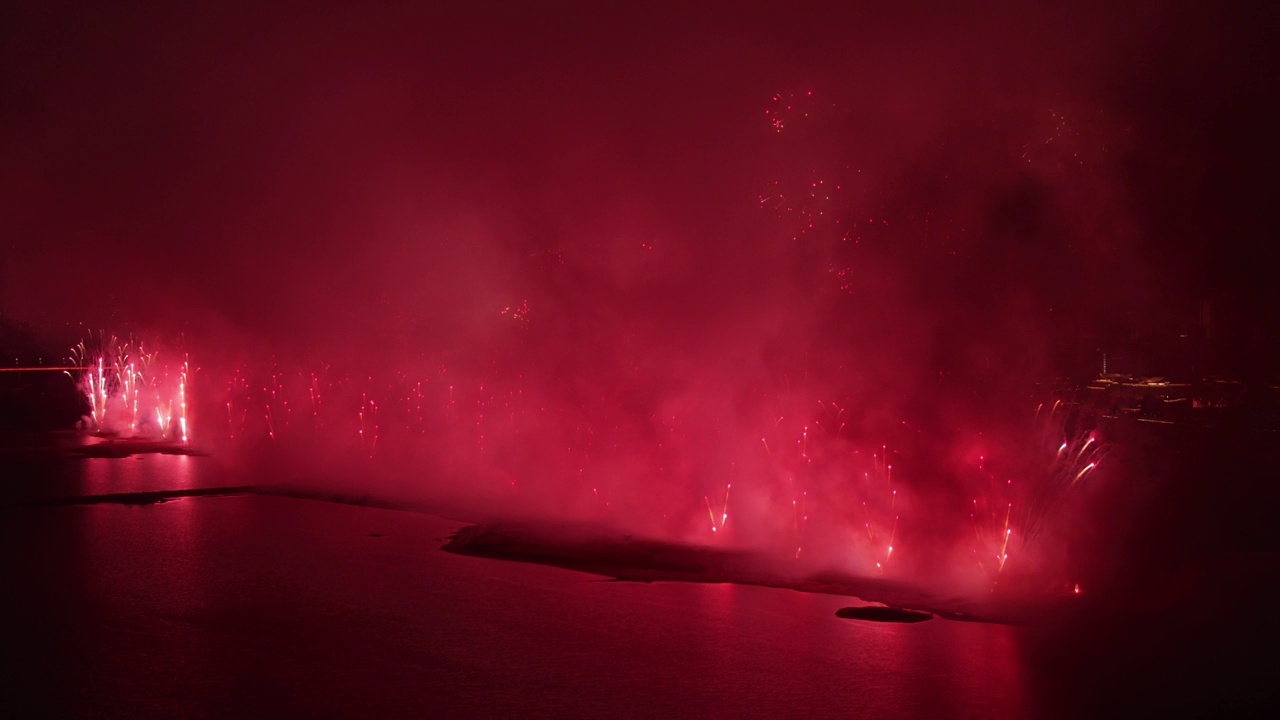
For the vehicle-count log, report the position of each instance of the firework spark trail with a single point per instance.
(888, 554)
(98, 395)
(1003, 556)
(182, 398)
(718, 523)
(1083, 470)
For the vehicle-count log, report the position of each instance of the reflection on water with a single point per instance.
(933, 669)
(251, 605)
(146, 576)
(234, 605)
(37, 479)
(141, 473)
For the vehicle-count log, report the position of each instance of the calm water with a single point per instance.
(247, 605)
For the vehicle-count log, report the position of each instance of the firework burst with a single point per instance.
(1015, 507)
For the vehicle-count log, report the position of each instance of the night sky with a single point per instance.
(320, 173)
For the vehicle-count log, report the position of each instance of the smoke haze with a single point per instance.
(632, 256)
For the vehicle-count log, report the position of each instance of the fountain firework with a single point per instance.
(132, 392)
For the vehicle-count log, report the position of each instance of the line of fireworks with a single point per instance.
(129, 392)
(452, 422)
(807, 458)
